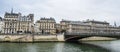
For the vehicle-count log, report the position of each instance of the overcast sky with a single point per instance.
(101, 10)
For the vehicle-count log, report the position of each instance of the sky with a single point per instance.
(76, 10)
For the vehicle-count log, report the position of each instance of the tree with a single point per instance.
(57, 31)
(63, 31)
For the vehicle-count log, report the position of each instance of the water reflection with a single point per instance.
(113, 46)
(49, 47)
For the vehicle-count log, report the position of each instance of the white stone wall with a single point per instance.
(29, 37)
(60, 37)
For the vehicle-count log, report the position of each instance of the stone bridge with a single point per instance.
(77, 36)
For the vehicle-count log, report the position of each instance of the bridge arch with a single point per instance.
(77, 37)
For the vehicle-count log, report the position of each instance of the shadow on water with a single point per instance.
(86, 47)
(50, 47)
(112, 46)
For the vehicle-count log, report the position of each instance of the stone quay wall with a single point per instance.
(30, 38)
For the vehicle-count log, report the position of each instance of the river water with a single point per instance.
(96, 46)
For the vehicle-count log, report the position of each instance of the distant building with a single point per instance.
(74, 26)
(98, 26)
(97, 23)
(1, 25)
(16, 23)
(26, 23)
(114, 29)
(78, 27)
(45, 26)
(89, 26)
(58, 27)
(64, 24)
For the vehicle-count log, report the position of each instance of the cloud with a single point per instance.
(102, 10)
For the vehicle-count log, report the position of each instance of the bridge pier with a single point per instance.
(61, 37)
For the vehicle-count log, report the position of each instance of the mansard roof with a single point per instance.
(99, 22)
(47, 18)
(14, 14)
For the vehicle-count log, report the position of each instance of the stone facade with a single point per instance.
(89, 26)
(64, 24)
(46, 26)
(16, 23)
(102, 27)
(78, 27)
(26, 23)
(58, 27)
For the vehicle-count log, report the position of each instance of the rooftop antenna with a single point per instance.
(12, 10)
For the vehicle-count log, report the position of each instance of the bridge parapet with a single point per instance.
(92, 33)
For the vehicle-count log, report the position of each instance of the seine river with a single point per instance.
(96, 46)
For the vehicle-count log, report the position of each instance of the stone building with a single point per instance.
(16, 23)
(74, 26)
(98, 26)
(58, 27)
(1, 25)
(88, 26)
(102, 27)
(64, 24)
(26, 23)
(113, 29)
(78, 27)
(46, 26)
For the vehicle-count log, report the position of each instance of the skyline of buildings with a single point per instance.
(16, 23)
(58, 21)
